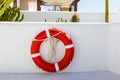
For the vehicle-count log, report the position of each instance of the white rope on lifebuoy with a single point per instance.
(52, 42)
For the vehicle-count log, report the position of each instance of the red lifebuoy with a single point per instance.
(69, 50)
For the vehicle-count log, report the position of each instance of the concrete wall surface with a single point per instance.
(114, 47)
(96, 43)
(90, 41)
(33, 16)
(52, 16)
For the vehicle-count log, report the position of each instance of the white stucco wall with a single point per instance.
(90, 40)
(53, 16)
(114, 17)
(84, 16)
(114, 48)
(96, 43)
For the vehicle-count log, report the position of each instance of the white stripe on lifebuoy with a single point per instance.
(57, 67)
(35, 55)
(69, 46)
(38, 40)
(47, 33)
(68, 36)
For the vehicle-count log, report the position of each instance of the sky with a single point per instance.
(91, 5)
(114, 5)
(98, 6)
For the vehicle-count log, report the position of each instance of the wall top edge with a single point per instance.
(67, 12)
(65, 23)
(59, 12)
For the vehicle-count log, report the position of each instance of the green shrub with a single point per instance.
(12, 14)
(4, 4)
(75, 18)
(61, 20)
(8, 13)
